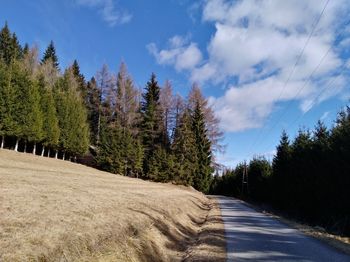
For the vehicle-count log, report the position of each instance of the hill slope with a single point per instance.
(54, 210)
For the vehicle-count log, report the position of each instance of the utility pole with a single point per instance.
(245, 179)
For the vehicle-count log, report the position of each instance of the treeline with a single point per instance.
(308, 179)
(38, 105)
(152, 134)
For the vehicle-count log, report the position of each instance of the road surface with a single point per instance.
(254, 236)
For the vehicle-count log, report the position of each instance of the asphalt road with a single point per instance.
(254, 236)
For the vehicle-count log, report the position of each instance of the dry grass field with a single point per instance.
(52, 210)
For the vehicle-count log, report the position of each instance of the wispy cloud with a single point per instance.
(255, 46)
(107, 8)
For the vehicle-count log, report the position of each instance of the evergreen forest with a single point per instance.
(308, 179)
(106, 121)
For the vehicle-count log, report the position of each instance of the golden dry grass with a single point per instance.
(211, 244)
(52, 210)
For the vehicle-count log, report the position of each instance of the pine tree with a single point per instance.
(25, 49)
(33, 124)
(152, 122)
(215, 133)
(72, 117)
(10, 49)
(94, 109)
(50, 55)
(204, 169)
(16, 47)
(184, 150)
(7, 103)
(119, 152)
(79, 77)
(280, 166)
(21, 84)
(51, 131)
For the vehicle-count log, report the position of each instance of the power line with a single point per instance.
(293, 69)
(314, 101)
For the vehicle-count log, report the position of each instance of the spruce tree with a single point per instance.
(7, 103)
(152, 122)
(72, 116)
(50, 55)
(280, 166)
(204, 169)
(10, 48)
(184, 150)
(21, 84)
(33, 124)
(51, 131)
(79, 77)
(94, 109)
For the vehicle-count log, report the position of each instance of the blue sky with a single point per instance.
(265, 65)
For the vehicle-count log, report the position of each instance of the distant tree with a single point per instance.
(50, 56)
(259, 172)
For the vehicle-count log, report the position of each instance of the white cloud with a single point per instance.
(247, 106)
(181, 54)
(108, 10)
(256, 44)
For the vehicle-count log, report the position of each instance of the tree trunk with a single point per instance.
(2, 142)
(42, 151)
(25, 146)
(64, 155)
(16, 146)
(56, 154)
(48, 152)
(34, 149)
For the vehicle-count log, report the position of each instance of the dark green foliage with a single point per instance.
(184, 150)
(202, 178)
(10, 49)
(152, 124)
(94, 109)
(72, 116)
(40, 107)
(119, 152)
(33, 122)
(79, 77)
(259, 172)
(51, 130)
(7, 101)
(50, 56)
(310, 176)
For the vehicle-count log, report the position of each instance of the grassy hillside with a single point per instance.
(53, 210)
